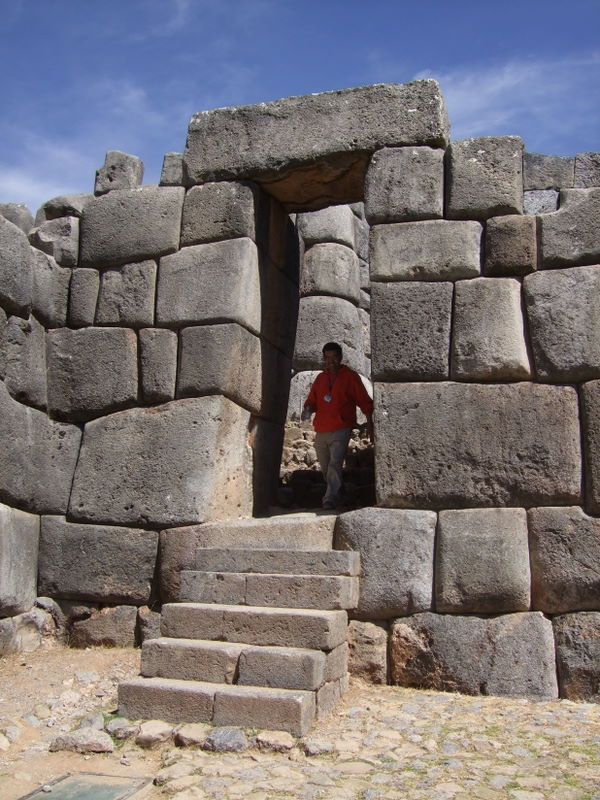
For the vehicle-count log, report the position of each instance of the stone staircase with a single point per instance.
(258, 637)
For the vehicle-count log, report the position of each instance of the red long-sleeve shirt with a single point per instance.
(347, 392)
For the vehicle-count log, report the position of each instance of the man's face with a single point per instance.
(331, 361)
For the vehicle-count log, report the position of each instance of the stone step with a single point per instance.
(242, 664)
(280, 562)
(221, 704)
(280, 627)
(280, 591)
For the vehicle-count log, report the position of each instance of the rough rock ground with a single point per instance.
(384, 742)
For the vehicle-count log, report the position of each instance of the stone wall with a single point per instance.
(147, 341)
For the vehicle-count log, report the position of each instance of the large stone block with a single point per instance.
(130, 225)
(279, 307)
(587, 170)
(16, 269)
(183, 462)
(221, 359)
(405, 183)
(368, 651)
(120, 171)
(91, 371)
(542, 172)
(216, 211)
(410, 328)
(482, 561)
(488, 339)
(507, 655)
(50, 292)
(19, 535)
(19, 214)
(58, 238)
(396, 556)
(510, 245)
(158, 364)
(565, 548)
(578, 655)
(484, 177)
(543, 201)
(571, 235)
(332, 224)
(96, 563)
(562, 307)
(215, 282)
(455, 445)
(127, 296)
(590, 395)
(437, 250)
(330, 269)
(313, 149)
(3, 321)
(37, 458)
(83, 297)
(25, 348)
(327, 319)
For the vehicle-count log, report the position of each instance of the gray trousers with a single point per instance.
(331, 450)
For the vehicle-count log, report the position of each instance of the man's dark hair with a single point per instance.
(333, 346)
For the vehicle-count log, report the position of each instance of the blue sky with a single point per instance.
(81, 77)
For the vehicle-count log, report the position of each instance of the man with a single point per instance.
(333, 398)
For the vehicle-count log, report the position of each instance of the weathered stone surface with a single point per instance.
(590, 395)
(302, 531)
(175, 464)
(410, 324)
(191, 659)
(279, 307)
(65, 205)
(311, 149)
(120, 171)
(3, 321)
(564, 319)
(58, 238)
(437, 250)
(455, 445)
(158, 364)
(365, 326)
(332, 224)
(405, 183)
(221, 359)
(541, 171)
(368, 656)
(19, 214)
(19, 535)
(108, 627)
(282, 667)
(37, 458)
(173, 700)
(25, 348)
(587, 170)
(279, 562)
(50, 290)
(565, 549)
(510, 245)
(127, 295)
(216, 211)
(261, 707)
(330, 269)
(266, 440)
(117, 568)
(210, 283)
(84, 740)
(226, 740)
(26, 632)
(488, 339)
(578, 655)
(484, 177)
(327, 319)
(299, 389)
(171, 173)
(571, 235)
(16, 269)
(396, 556)
(148, 624)
(83, 297)
(482, 561)
(192, 734)
(91, 371)
(361, 233)
(131, 225)
(544, 201)
(507, 655)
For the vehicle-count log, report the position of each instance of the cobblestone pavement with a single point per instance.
(384, 742)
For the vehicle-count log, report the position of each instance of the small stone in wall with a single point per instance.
(120, 171)
(368, 659)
